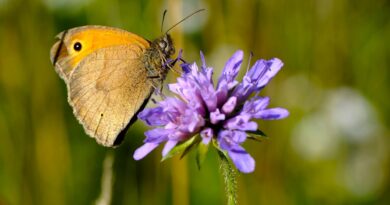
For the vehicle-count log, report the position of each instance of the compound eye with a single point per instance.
(162, 44)
(77, 46)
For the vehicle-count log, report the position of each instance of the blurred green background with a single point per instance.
(332, 149)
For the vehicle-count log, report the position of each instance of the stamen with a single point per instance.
(249, 61)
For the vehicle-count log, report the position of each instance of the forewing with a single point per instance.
(91, 37)
(107, 89)
(61, 59)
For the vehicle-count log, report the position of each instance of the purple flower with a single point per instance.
(223, 113)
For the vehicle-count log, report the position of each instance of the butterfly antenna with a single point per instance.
(163, 18)
(185, 18)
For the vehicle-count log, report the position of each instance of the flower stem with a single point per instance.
(229, 175)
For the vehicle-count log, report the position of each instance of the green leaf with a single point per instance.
(180, 148)
(201, 154)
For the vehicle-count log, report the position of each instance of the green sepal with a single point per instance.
(201, 154)
(221, 152)
(191, 146)
(255, 138)
(257, 132)
(256, 135)
(181, 147)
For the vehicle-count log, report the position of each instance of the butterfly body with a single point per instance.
(110, 75)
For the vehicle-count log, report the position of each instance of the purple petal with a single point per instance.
(145, 149)
(210, 100)
(193, 70)
(170, 126)
(157, 135)
(272, 114)
(232, 84)
(203, 60)
(232, 66)
(198, 107)
(232, 137)
(231, 69)
(185, 67)
(243, 161)
(172, 104)
(244, 89)
(260, 103)
(255, 105)
(209, 73)
(230, 105)
(183, 89)
(188, 68)
(250, 81)
(240, 122)
(178, 135)
(206, 134)
(153, 116)
(257, 77)
(238, 136)
(257, 70)
(168, 146)
(222, 93)
(175, 88)
(273, 66)
(190, 121)
(216, 116)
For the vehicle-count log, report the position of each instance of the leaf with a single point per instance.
(180, 148)
(201, 154)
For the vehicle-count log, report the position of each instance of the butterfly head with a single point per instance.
(165, 45)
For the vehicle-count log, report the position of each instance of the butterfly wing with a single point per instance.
(107, 89)
(92, 38)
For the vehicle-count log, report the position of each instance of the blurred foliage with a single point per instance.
(333, 149)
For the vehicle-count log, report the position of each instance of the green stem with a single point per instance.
(229, 175)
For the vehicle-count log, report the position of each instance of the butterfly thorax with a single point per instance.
(156, 57)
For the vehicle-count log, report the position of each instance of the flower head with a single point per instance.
(223, 113)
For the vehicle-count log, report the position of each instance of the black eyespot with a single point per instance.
(77, 46)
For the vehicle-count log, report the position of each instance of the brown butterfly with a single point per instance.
(110, 74)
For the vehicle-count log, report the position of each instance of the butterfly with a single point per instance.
(110, 75)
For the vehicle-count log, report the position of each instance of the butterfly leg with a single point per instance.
(157, 85)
